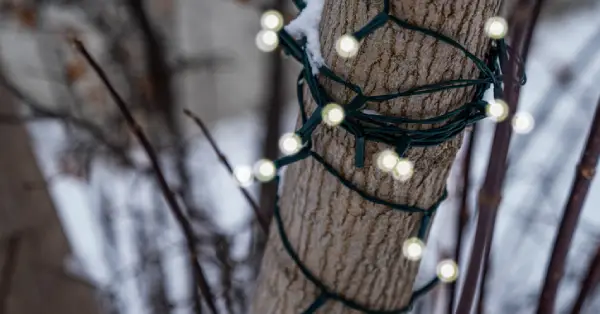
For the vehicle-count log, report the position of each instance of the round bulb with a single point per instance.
(346, 46)
(413, 249)
(496, 27)
(447, 270)
(333, 114)
(403, 170)
(243, 175)
(290, 143)
(497, 110)
(264, 170)
(267, 40)
(387, 160)
(271, 20)
(523, 122)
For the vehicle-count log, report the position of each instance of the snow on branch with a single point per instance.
(307, 24)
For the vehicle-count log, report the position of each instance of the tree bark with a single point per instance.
(33, 246)
(352, 245)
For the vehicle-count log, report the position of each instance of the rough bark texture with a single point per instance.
(33, 246)
(353, 245)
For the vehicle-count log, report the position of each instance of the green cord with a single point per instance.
(326, 293)
(384, 129)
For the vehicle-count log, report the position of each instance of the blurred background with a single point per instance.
(115, 233)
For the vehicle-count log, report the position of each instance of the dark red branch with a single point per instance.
(169, 196)
(583, 178)
(526, 15)
(589, 283)
(259, 215)
(485, 272)
(463, 214)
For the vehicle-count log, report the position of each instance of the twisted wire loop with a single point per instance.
(385, 129)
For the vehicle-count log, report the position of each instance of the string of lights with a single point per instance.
(366, 126)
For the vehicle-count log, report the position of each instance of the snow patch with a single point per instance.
(307, 24)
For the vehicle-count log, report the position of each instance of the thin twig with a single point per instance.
(169, 196)
(581, 61)
(589, 283)
(8, 270)
(163, 101)
(490, 193)
(259, 215)
(536, 199)
(156, 65)
(463, 215)
(223, 250)
(583, 177)
(43, 111)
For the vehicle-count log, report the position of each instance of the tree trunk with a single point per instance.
(354, 246)
(33, 246)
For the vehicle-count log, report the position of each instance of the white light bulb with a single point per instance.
(497, 110)
(264, 170)
(267, 40)
(346, 46)
(447, 270)
(403, 170)
(243, 175)
(333, 114)
(290, 143)
(523, 122)
(496, 27)
(271, 20)
(413, 249)
(387, 160)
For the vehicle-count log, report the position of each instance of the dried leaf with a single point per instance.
(75, 69)
(26, 16)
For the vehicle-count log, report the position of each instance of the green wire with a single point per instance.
(385, 129)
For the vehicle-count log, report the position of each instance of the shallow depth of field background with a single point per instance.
(123, 237)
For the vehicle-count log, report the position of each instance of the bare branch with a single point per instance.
(463, 215)
(223, 250)
(259, 215)
(485, 272)
(490, 194)
(40, 110)
(580, 61)
(583, 176)
(169, 196)
(589, 283)
(156, 65)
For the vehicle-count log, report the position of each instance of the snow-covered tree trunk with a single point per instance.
(352, 245)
